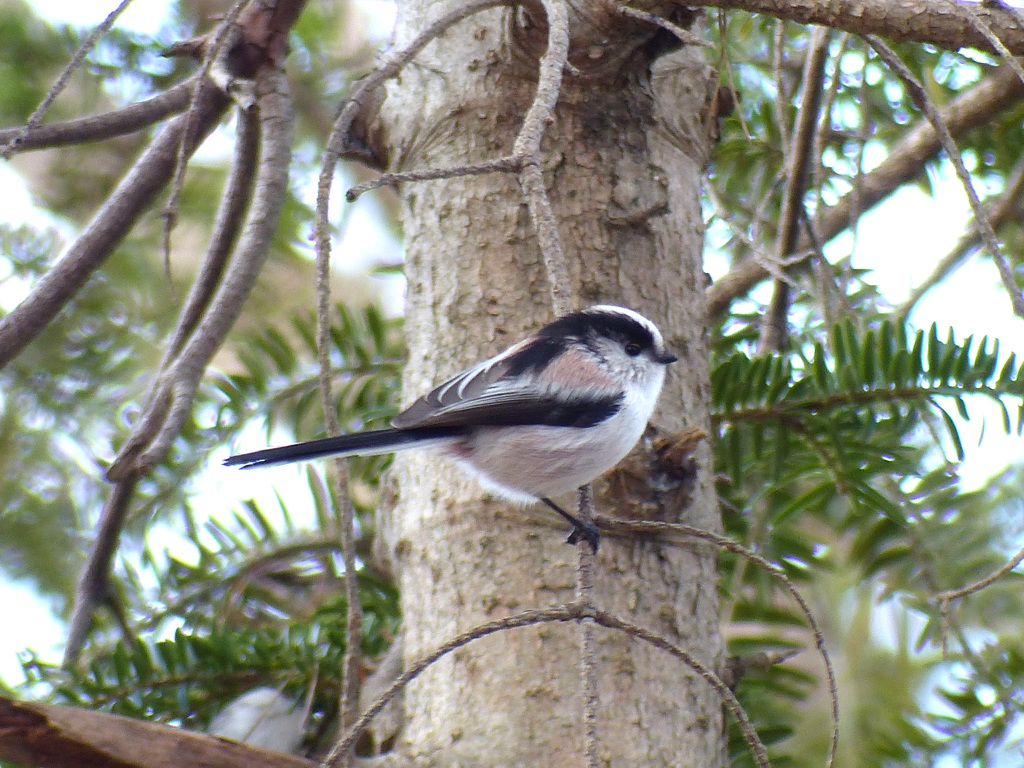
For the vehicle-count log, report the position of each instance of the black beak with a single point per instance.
(665, 358)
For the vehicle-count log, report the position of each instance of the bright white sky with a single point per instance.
(899, 241)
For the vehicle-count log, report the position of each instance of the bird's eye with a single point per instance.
(633, 349)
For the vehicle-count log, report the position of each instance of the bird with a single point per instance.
(549, 414)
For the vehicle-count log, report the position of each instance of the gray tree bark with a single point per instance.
(624, 158)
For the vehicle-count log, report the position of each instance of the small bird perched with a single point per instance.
(547, 415)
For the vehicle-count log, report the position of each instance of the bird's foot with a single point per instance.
(587, 532)
(581, 531)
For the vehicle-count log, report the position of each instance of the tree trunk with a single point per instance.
(623, 164)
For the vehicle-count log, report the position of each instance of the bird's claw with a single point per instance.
(587, 532)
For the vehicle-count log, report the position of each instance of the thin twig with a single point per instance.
(531, 179)
(170, 212)
(107, 228)
(705, 673)
(1004, 208)
(825, 122)
(588, 662)
(765, 259)
(826, 284)
(781, 101)
(507, 163)
(338, 476)
(527, 146)
(62, 79)
(392, 65)
(725, 61)
(685, 36)
(923, 102)
(108, 125)
(569, 612)
(945, 597)
(673, 531)
(322, 236)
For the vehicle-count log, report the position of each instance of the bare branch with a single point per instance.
(981, 23)
(911, 21)
(1003, 209)
(676, 532)
(527, 146)
(531, 179)
(339, 478)
(507, 163)
(93, 586)
(774, 328)
(392, 65)
(782, 95)
(108, 125)
(944, 598)
(322, 235)
(731, 702)
(764, 259)
(685, 36)
(588, 662)
(569, 612)
(984, 226)
(227, 28)
(230, 216)
(108, 227)
(143, 449)
(62, 80)
(905, 161)
(35, 733)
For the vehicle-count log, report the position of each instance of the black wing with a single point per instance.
(505, 391)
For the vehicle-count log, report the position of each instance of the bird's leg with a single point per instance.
(581, 531)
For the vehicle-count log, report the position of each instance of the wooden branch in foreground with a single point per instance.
(53, 736)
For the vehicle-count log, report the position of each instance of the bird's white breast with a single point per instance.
(531, 462)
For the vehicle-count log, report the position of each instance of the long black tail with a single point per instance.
(358, 443)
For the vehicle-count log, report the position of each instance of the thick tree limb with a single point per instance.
(906, 21)
(905, 161)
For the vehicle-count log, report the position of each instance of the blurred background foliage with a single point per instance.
(837, 458)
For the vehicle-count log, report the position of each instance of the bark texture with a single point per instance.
(624, 160)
